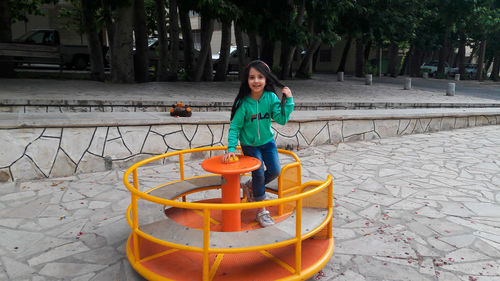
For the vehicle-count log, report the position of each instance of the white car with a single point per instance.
(216, 56)
(234, 64)
(432, 66)
(471, 70)
(153, 53)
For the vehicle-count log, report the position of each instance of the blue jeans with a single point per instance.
(268, 156)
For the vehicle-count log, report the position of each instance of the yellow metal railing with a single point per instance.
(314, 187)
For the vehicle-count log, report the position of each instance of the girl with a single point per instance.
(253, 108)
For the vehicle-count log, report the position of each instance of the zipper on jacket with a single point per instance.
(258, 131)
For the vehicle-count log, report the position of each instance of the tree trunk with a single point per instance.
(187, 38)
(359, 58)
(405, 68)
(122, 70)
(488, 64)
(315, 59)
(289, 51)
(94, 44)
(6, 68)
(416, 62)
(440, 72)
(286, 61)
(305, 64)
(391, 65)
(496, 67)
(238, 34)
(141, 62)
(108, 21)
(268, 52)
(5, 24)
(207, 28)
(174, 41)
(461, 55)
(480, 63)
(208, 70)
(345, 52)
(162, 66)
(254, 46)
(225, 46)
(368, 47)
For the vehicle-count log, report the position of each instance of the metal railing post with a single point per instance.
(298, 234)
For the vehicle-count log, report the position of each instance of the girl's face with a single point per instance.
(256, 81)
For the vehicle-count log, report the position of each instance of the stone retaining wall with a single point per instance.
(41, 149)
(94, 106)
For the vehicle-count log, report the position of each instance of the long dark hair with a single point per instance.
(245, 90)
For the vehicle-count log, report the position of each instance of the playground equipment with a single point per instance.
(174, 239)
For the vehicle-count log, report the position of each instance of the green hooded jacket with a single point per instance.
(251, 123)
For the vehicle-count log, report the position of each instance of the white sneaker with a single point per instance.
(265, 219)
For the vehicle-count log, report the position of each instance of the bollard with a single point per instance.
(340, 76)
(425, 75)
(407, 84)
(108, 163)
(457, 77)
(451, 89)
(368, 79)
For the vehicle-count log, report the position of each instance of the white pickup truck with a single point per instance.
(38, 44)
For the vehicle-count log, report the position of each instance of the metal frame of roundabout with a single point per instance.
(173, 239)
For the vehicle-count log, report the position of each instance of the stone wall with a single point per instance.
(93, 106)
(51, 151)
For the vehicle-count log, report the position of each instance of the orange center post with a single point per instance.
(231, 219)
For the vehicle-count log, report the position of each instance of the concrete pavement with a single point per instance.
(321, 89)
(416, 207)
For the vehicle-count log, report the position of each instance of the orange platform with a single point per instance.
(172, 264)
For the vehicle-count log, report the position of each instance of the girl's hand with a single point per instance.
(286, 91)
(227, 156)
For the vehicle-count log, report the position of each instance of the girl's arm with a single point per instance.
(288, 108)
(234, 129)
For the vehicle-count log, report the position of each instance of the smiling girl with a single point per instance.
(254, 107)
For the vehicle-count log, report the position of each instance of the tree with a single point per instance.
(162, 67)
(141, 61)
(174, 41)
(187, 36)
(6, 69)
(89, 23)
(486, 24)
(207, 29)
(227, 12)
(238, 34)
(321, 20)
(290, 46)
(221, 69)
(122, 63)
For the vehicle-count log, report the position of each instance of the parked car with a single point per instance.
(76, 56)
(432, 66)
(233, 64)
(471, 70)
(153, 52)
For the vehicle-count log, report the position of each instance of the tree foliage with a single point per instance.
(424, 29)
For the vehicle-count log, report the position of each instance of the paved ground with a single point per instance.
(322, 88)
(486, 89)
(418, 207)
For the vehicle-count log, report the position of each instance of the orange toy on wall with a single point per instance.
(180, 110)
